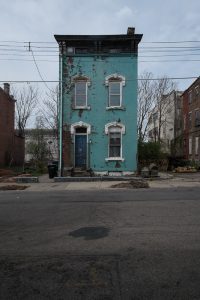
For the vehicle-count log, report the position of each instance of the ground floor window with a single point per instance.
(114, 144)
(114, 131)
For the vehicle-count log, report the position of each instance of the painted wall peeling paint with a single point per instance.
(97, 68)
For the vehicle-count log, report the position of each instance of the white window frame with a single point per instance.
(115, 78)
(118, 128)
(87, 82)
(111, 94)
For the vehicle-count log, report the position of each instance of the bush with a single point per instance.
(150, 152)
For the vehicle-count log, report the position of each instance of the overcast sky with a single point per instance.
(39, 20)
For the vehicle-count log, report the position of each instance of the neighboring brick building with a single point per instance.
(11, 146)
(191, 121)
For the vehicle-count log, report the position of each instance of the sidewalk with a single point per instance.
(166, 181)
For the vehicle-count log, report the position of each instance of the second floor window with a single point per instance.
(197, 118)
(190, 97)
(115, 83)
(81, 93)
(115, 93)
(190, 120)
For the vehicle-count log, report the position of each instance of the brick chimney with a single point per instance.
(6, 87)
(130, 31)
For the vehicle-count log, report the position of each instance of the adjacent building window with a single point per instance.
(197, 145)
(190, 120)
(81, 92)
(197, 118)
(115, 131)
(115, 85)
(197, 90)
(184, 122)
(190, 97)
(190, 146)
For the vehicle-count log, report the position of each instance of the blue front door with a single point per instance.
(80, 150)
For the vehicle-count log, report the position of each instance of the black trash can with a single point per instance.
(52, 169)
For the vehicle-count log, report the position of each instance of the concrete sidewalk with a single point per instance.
(46, 184)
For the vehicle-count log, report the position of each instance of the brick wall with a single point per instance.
(7, 111)
(191, 104)
(8, 142)
(67, 149)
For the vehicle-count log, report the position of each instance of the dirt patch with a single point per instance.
(6, 172)
(13, 187)
(132, 184)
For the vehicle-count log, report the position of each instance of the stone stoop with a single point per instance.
(77, 172)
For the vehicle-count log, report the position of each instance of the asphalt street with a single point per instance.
(102, 244)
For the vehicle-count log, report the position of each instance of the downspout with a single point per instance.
(60, 110)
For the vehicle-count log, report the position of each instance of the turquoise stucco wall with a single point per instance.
(97, 68)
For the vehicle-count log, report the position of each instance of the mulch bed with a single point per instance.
(133, 184)
(13, 187)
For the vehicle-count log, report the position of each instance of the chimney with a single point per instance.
(7, 88)
(130, 31)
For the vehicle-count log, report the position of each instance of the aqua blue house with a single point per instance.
(98, 102)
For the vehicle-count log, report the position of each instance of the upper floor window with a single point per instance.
(197, 90)
(197, 118)
(81, 92)
(115, 85)
(190, 97)
(115, 93)
(190, 120)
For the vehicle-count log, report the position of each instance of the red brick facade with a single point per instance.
(11, 146)
(191, 120)
(67, 149)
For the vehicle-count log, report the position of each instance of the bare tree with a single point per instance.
(49, 111)
(27, 99)
(37, 145)
(145, 102)
(162, 89)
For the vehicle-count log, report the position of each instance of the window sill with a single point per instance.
(115, 107)
(114, 159)
(82, 107)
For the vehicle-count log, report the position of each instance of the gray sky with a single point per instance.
(39, 20)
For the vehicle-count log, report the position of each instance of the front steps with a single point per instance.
(78, 172)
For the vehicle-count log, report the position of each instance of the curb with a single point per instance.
(93, 179)
(27, 180)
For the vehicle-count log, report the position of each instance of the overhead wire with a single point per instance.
(136, 79)
(39, 71)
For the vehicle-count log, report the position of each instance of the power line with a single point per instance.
(137, 79)
(39, 71)
(170, 42)
(127, 62)
(143, 42)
